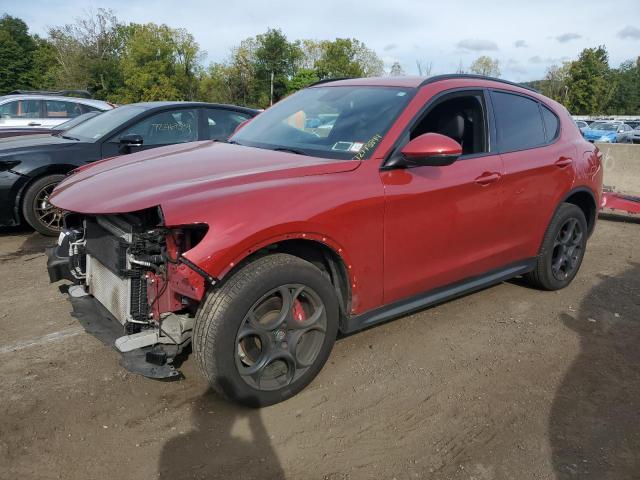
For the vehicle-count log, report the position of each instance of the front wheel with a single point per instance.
(265, 334)
(562, 249)
(37, 211)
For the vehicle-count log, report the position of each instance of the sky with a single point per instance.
(525, 36)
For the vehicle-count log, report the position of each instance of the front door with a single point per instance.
(442, 224)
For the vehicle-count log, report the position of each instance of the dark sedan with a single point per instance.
(31, 166)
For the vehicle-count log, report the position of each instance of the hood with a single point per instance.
(154, 177)
(33, 143)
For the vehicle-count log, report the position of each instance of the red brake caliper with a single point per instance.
(299, 314)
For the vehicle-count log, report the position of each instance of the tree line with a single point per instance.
(588, 85)
(131, 62)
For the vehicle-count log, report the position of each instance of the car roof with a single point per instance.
(412, 81)
(162, 105)
(85, 101)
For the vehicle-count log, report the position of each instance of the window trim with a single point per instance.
(544, 125)
(511, 92)
(432, 102)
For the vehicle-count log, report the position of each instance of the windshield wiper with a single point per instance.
(290, 150)
(68, 137)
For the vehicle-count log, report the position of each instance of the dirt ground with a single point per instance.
(507, 383)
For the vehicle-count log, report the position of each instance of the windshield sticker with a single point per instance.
(342, 146)
(356, 147)
(367, 147)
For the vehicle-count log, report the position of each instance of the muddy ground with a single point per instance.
(509, 383)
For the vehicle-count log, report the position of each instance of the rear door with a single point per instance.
(59, 111)
(539, 168)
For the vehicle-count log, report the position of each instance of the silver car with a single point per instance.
(35, 110)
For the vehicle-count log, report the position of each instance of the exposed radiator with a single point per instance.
(113, 292)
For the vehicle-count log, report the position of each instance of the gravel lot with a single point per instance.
(506, 383)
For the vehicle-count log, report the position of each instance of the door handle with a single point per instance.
(487, 178)
(564, 162)
(34, 124)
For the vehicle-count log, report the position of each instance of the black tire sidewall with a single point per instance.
(29, 197)
(227, 376)
(564, 213)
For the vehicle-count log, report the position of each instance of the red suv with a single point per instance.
(345, 205)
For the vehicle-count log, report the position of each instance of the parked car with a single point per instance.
(55, 130)
(35, 110)
(635, 136)
(582, 125)
(609, 132)
(30, 167)
(262, 249)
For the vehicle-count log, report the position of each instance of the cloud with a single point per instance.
(390, 46)
(476, 45)
(520, 44)
(567, 37)
(630, 32)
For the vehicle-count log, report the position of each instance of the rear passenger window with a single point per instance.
(551, 123)
(518, 122)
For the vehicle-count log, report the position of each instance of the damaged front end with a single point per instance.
(133, 266)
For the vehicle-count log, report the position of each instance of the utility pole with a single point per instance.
(271, 103)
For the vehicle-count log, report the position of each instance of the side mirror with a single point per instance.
(131, 140)
(431, 149)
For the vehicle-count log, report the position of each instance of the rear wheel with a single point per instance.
(36, 208)
(267, 331)
(562, 249)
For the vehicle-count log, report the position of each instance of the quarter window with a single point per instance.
(519, 122)
(551, 123)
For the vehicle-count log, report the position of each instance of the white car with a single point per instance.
(35, 110)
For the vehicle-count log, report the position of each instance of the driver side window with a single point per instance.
(166, 128)
(460, 116)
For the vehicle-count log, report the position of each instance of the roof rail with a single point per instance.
(327, 80)
(453, 76)
(74, 93)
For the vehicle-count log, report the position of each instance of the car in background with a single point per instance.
(581, 124)
(31, 166)
(608, 132)
(633, 123)
(635, 136)
(55, 130)
(38, 110)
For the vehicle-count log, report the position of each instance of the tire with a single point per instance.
(36, 210)
(551, 271)
(226, 349)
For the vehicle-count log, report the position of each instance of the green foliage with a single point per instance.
(588, 83)
(17, 50)
(486, 66)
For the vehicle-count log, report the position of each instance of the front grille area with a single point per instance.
(113, 292)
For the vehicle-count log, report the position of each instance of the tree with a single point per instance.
(424, 68)
(396, 70)
(17, 49)
(588, 82)
(554, 84)
(275, 64)
(486, 66)
(303, 78)
(625, 80)
(346, 57)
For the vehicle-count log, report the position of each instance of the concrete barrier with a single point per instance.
(621, 167)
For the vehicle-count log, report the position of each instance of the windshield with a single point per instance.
(330, 122)
(75, 121)
(608, 127)
(96, 127)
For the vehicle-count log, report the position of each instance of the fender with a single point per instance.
(219, 266)
(573, 191)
